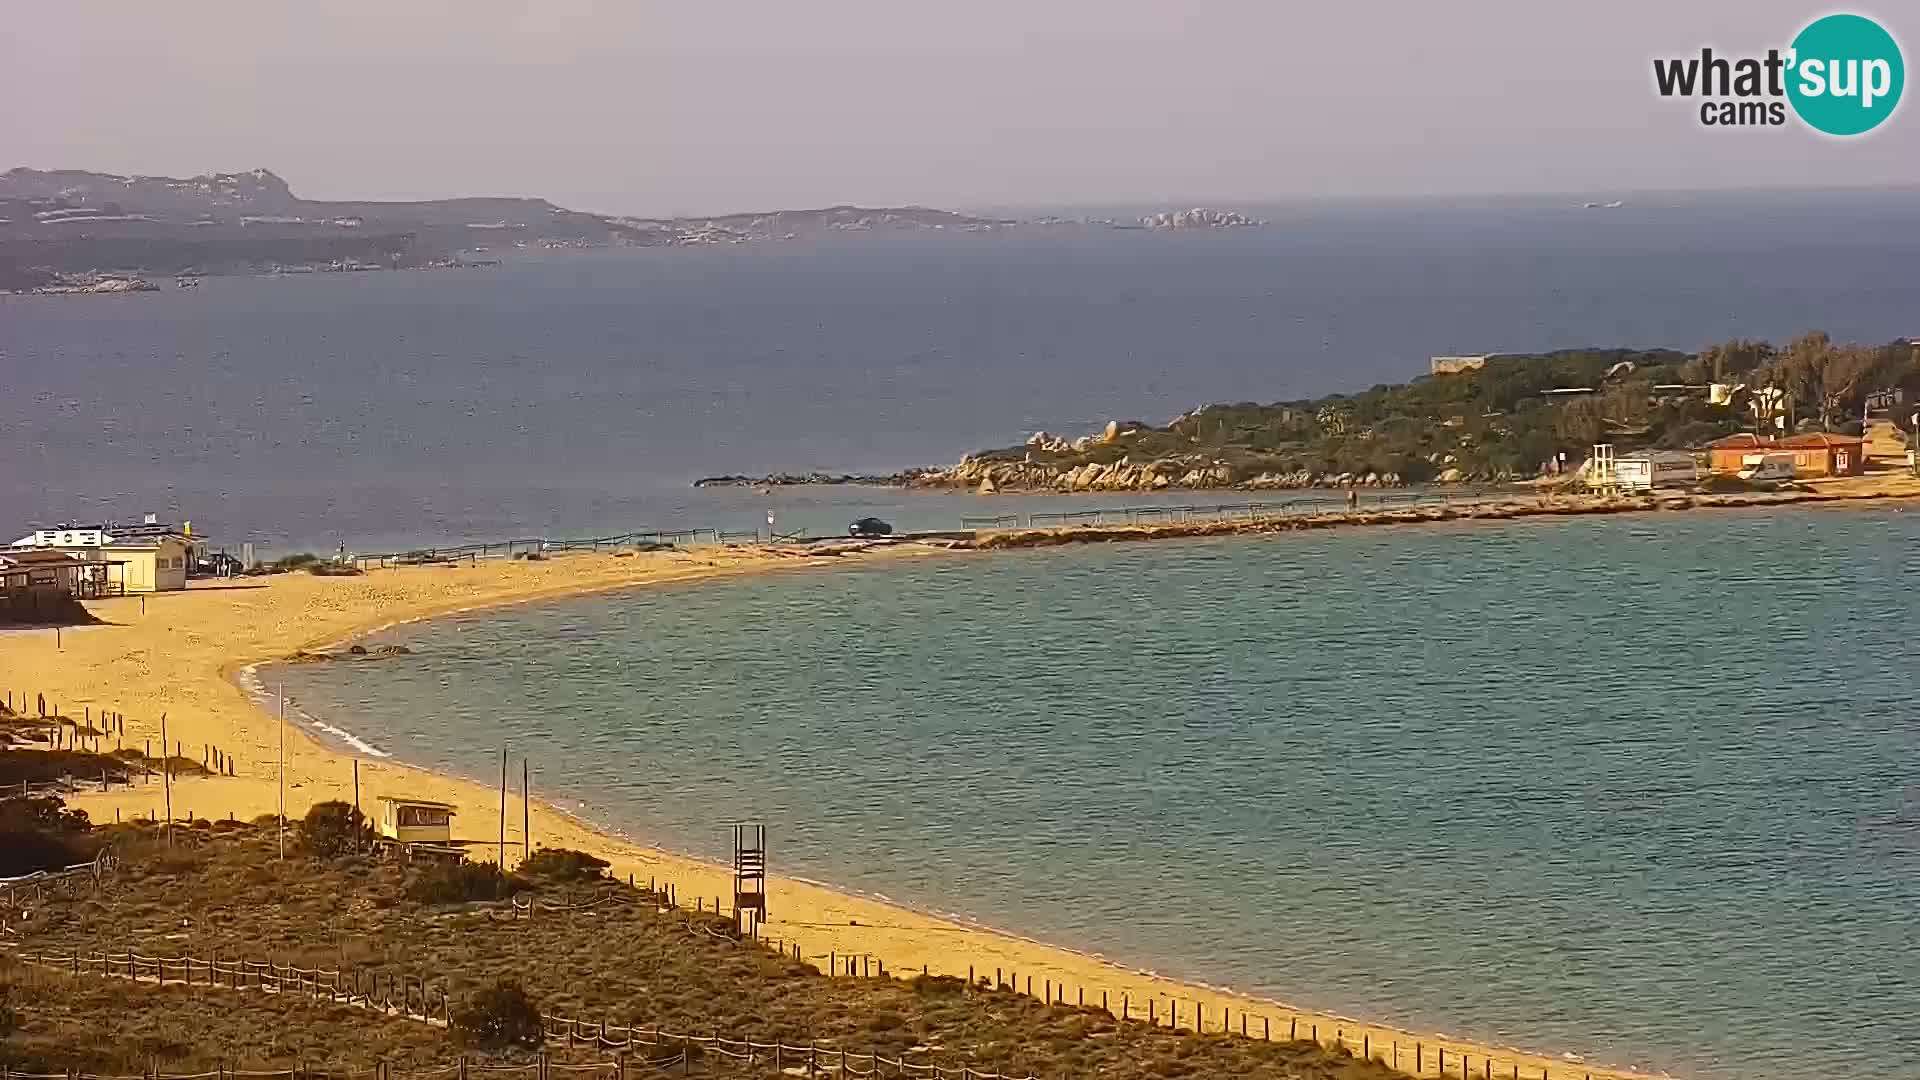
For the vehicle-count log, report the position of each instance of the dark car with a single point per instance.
(869, 526)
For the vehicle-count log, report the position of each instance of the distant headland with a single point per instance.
(1480, 419)
(69, 231)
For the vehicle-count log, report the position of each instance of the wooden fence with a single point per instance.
(415, 998)
(1409, 1054)
(523, 547)
(42, 720)
(33, 888)
(464, 1070)
(425, 999)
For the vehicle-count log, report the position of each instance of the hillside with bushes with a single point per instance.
(479, 955)
(1506, 420)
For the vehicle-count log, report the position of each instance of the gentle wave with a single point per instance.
(270, 702)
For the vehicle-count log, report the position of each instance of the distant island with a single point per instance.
(1200, 217)
(71, 231)
(1490, 419)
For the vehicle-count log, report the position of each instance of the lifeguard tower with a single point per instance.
(1603, 474)
(749, 877)
(416, 821)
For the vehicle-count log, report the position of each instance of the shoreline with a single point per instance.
(831, 920)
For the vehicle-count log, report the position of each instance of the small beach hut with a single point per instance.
(416, 821)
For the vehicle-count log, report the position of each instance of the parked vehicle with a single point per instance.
(870, 527)
(1766, 468)
(1651, 469)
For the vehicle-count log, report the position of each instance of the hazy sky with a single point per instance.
(712, 105)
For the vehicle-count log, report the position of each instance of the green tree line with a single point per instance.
(1515, 413)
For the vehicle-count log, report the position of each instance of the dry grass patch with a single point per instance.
(625, 960)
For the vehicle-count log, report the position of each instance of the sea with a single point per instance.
(578, 394)
(1641, 789)
(1636, 788)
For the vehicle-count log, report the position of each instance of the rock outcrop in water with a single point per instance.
(351, 654)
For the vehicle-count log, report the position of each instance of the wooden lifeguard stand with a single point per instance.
(1603, 470)
(749, 876)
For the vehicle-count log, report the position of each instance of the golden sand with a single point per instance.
(178, 654)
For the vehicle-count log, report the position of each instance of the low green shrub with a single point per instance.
(562, 865)
(460, 883)
(42, 834)
(334, 569)
(334, 828)
(498, 1016)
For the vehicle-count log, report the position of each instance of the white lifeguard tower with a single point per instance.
(416, 821)
(1603, 469)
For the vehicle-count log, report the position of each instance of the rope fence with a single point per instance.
(537, 546)
(416, 998)
(40, 720)
(28, 889)
(1412, 1055)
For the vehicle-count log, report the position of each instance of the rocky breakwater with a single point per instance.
(903, 478)
(1052, 464)
(1543, 505)
(91, 285)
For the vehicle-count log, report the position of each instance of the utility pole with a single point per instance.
(280, 770)
(503, 809)
(166, 778)
(526, 813)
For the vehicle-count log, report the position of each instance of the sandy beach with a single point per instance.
(180, 654)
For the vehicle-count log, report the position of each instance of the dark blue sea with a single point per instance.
(578, 394)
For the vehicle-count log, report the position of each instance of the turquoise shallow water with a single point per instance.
(1639, 787)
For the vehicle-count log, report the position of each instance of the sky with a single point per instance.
(708, 106)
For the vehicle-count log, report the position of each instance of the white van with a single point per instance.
(1649, 469)
(1766, 468)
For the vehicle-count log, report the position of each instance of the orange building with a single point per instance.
(1814, 454)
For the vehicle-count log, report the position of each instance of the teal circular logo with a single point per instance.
(1846, 74)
